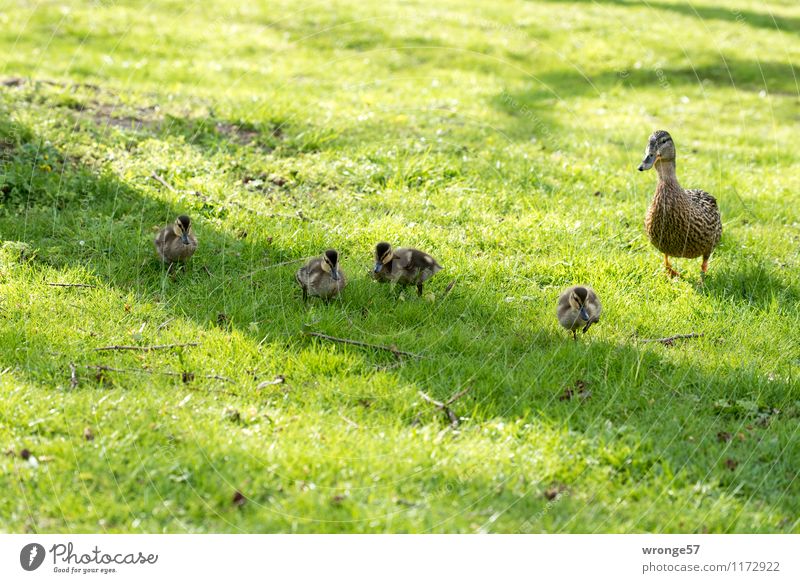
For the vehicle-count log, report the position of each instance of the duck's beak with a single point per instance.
(378, 266)
(335, 274)
(648, 162)
(185, 238)
(584, 315)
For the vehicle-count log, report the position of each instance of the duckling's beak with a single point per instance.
(648, 162)
(335, 274)
(185, 238)
(584, 315)
(378, 266)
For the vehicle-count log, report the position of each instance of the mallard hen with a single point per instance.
(679, 223)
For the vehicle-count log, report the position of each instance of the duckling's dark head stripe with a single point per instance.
(332, 256)
(184, 221)
(382, 249)
(582, 293)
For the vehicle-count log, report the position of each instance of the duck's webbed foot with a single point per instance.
(668, 266)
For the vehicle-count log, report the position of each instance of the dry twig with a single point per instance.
(281, 264)
(350, 422)
(398, 353)
(445, 407)
(54, 284)
(668, 341)
(162, 182)
(73, 375)
(167, 373)
(147, 348)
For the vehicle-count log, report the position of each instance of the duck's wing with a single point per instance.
(563, 305)
(161, 237)
(708, 212)
(701, 198)
(313, 271)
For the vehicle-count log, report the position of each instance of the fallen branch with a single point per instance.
(168, 373)
(162, 182)
(147, 348)
(668, 341)
(54, 284)
(392, 349)
(445, 407)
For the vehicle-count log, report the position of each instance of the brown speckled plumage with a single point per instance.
(578, 308)
(679, 222)
(176, 242)
(321, 276)
(405, 266)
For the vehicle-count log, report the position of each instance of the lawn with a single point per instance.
(503, 138)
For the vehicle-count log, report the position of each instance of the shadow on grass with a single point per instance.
(750, 18)
(514, 373)
(770, 76)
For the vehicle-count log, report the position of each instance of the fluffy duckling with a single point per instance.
(176, 242)
(679, 223)
(405, 266)
(321, 276)
(578, 307)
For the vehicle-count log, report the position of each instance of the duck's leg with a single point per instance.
(704, 266)
(419, 289)
(575, 335)
(670, 270)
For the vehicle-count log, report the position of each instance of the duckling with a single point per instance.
(679, 223)
(322, 276)
(578, 306)
(176, 242)
(405, 266)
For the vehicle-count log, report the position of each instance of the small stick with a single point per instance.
(73, 375)
(449, 288)
(444, 407)
(669, 339)
(54, 284)
(163, 182)
(167, 373)
(147, 348)
(281, 264)
(349, 421)
(164, 324)
(392, 349)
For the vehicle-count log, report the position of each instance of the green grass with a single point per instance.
(501, 137)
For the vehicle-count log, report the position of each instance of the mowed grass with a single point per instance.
(501, 137)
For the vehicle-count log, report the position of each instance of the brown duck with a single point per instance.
(404, 266)
(321, 276)
(680, 223)
(176, 242)
(578, 308)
